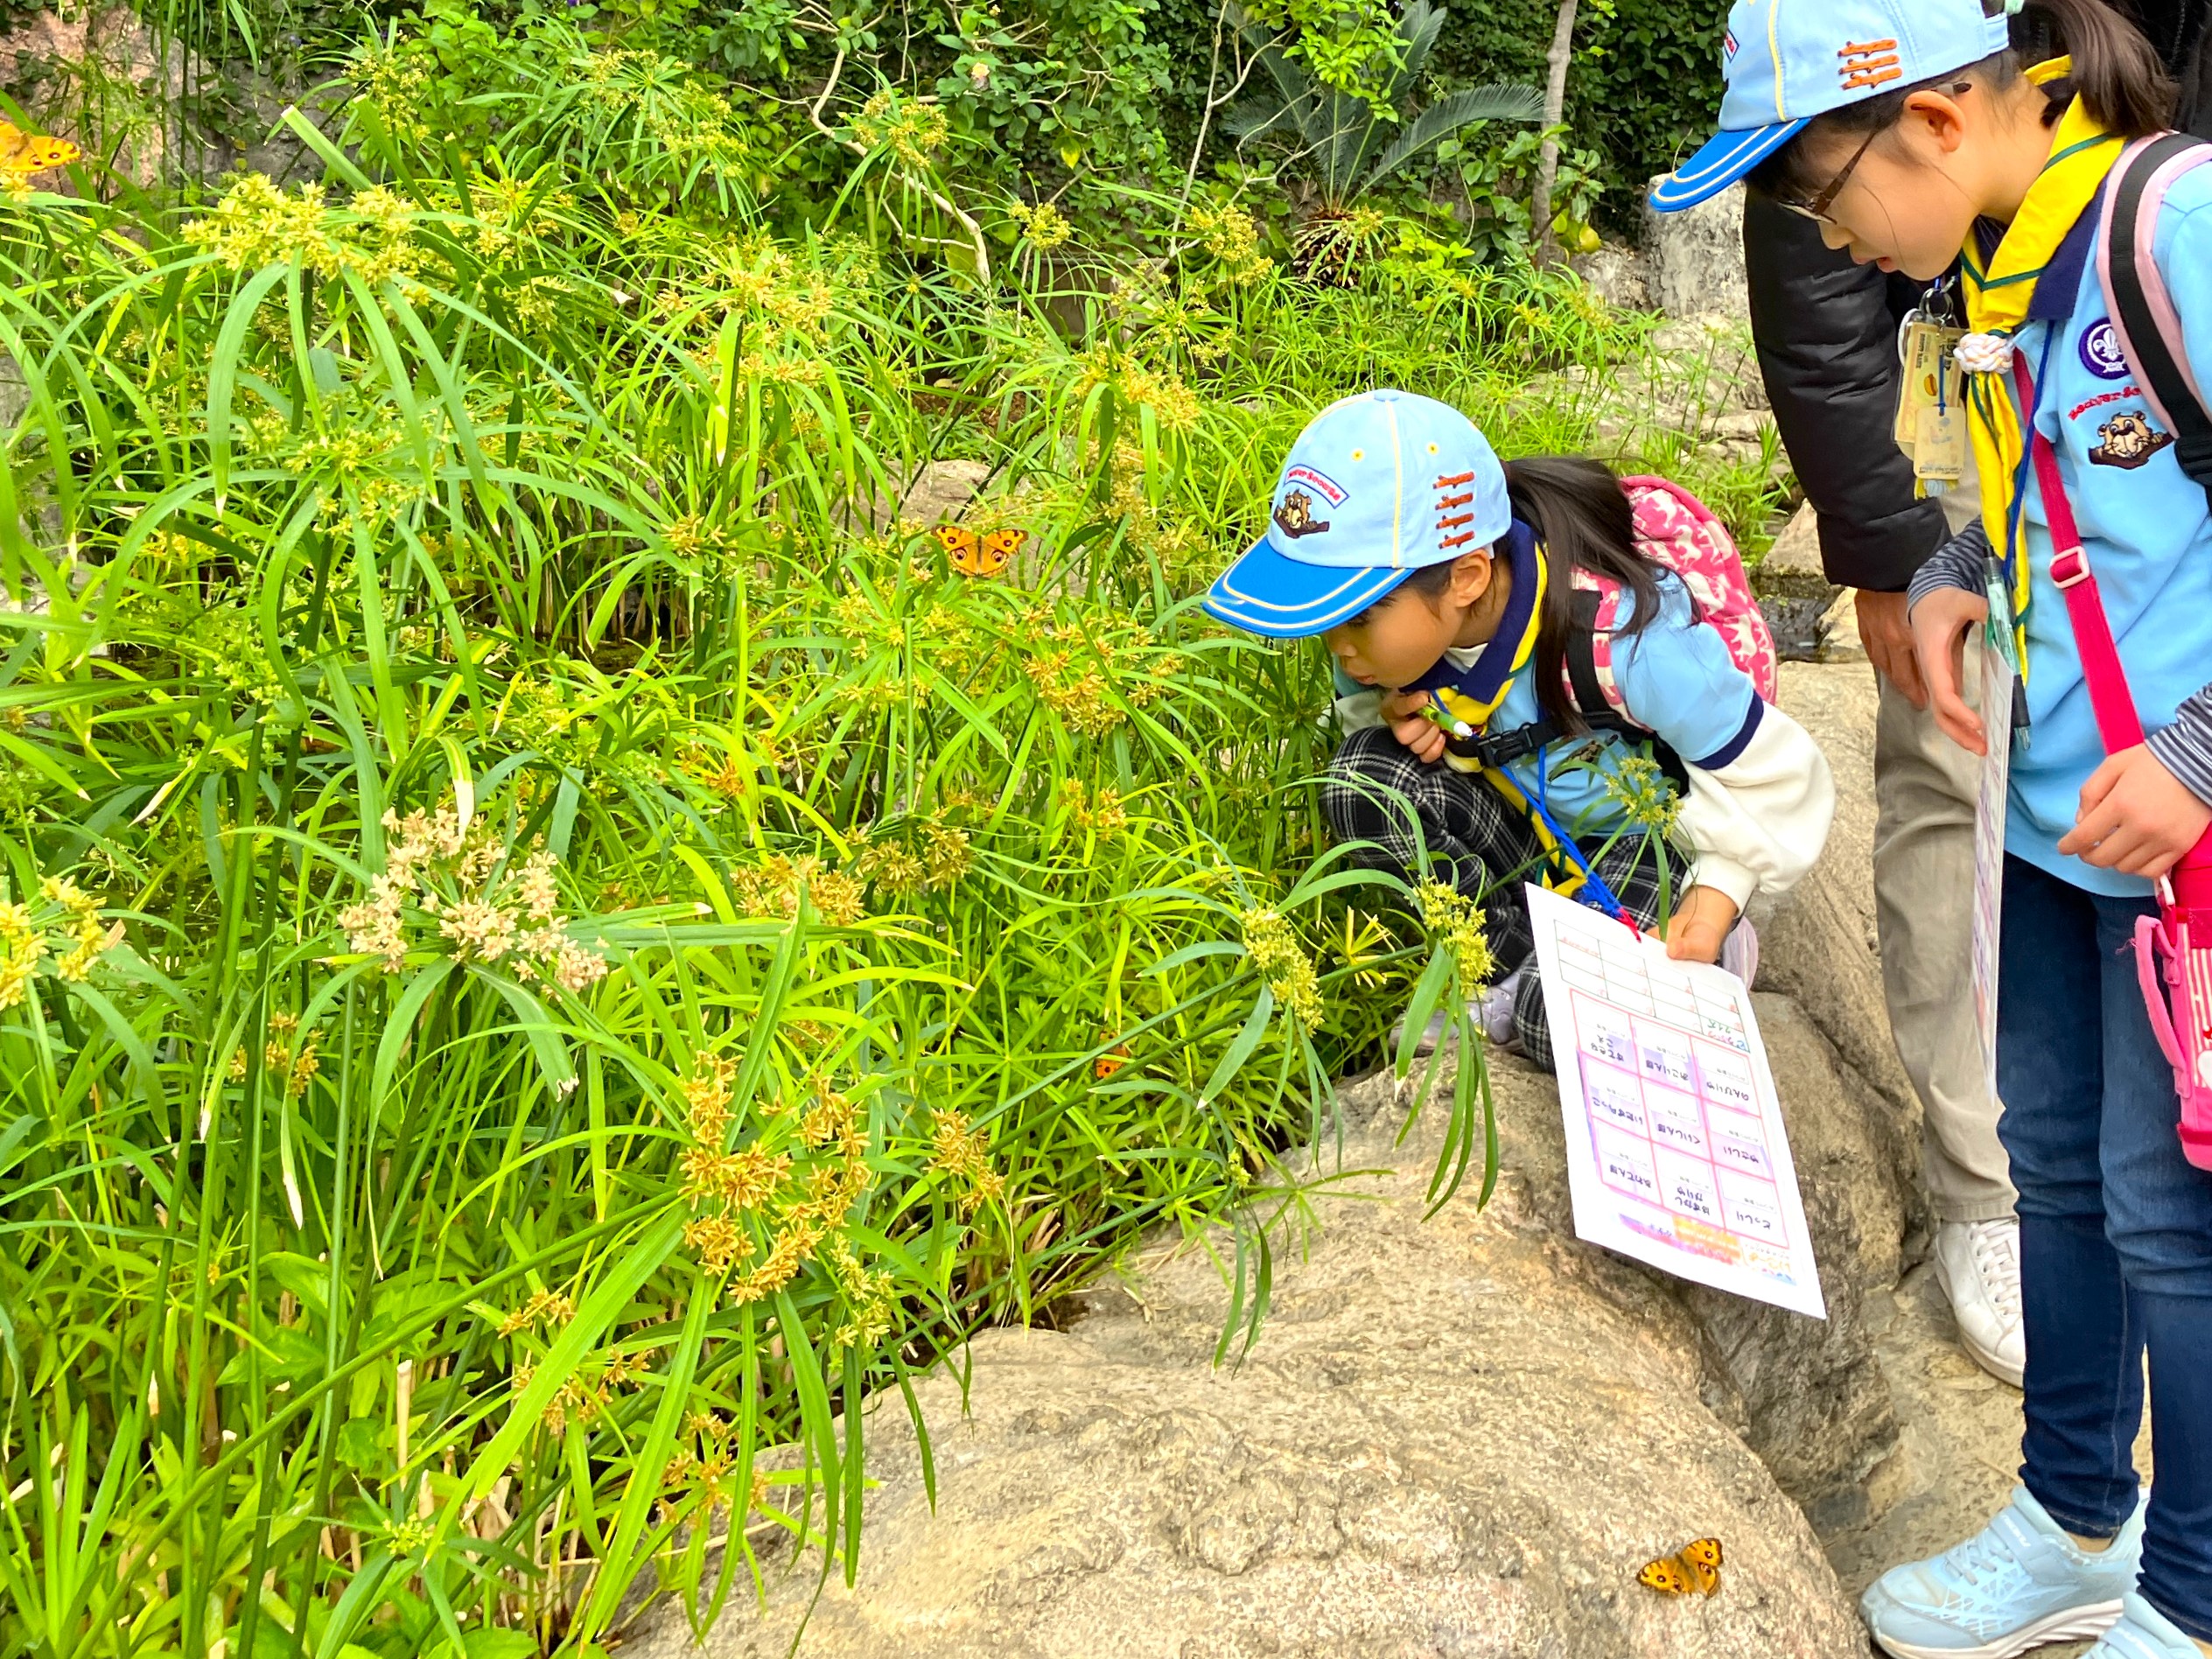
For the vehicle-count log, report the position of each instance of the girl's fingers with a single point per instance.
(1958, 723)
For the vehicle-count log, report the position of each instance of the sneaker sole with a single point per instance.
(2071, 1624)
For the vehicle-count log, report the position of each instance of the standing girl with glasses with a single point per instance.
(1922, 134)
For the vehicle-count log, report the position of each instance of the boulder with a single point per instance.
(1818, 944)
(1457, 1436)
(1695, 258)
(1617, 275)
(1794, 589)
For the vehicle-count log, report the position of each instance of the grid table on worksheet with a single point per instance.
(1667, 1073)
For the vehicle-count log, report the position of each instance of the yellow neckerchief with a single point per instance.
(1506, 655)
(1486, 685)
(2082, 154)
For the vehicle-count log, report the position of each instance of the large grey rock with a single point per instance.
(1454, 1437)
(1695, 258)
(1818, 942)
(1794, 589)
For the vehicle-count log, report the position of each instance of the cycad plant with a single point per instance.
(1348, 146)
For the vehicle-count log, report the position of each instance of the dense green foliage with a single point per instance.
(552, 939)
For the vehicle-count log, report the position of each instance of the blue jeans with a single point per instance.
(2116, 1237)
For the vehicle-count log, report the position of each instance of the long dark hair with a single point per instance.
(2117, 74)
(1583, 521)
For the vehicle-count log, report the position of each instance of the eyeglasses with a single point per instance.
(1817, 209)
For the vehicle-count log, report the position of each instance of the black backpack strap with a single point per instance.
(2192, 425)
(1588, 693)
(1596, 709)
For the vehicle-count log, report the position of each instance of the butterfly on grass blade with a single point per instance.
(25, 153)
(1696, 1568)
(1112, 1061)
(974, 555)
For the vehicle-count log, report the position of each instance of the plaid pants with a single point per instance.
(1482, 844)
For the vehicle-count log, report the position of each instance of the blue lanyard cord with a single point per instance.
(2016, 524)
(1596, 894)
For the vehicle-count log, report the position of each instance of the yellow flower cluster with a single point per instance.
(958, 1149)
(1645, 794)
(761, 1186)
(257, 224)
(773, 889)
(1273, 946)
(547, 1308)
(911, 129)
(489, 910)
(1097, 812)
(1044, 226)
(278, 1059)
(1230, 238)
(944, 856)
(1455, 920)
(65, 925)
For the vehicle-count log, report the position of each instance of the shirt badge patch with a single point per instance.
(1295, 516)
(2101, 353)
(2130, 441)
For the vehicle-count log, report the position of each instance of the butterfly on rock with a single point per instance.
(974, 555)
(1696, 1568)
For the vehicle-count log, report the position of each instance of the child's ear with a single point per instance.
(1471, 574)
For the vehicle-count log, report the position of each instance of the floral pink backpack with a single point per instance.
(1676, 529)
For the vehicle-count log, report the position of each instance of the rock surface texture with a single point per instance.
(1457, 1438)
(1695, 259)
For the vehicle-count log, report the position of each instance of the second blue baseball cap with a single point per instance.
(1787, 61)
(1378, 486)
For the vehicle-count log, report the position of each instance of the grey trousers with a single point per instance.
(1924, 789)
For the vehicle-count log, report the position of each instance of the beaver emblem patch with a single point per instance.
(2130, 441)
(1295, 517)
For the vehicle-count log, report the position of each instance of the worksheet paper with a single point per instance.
(1676, 1150)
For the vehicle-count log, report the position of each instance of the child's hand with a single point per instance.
(1700, 925)
(1423, 738)
(1940, 623)
(2136, 816)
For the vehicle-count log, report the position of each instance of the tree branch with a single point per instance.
(943, 204)
(1555, 108)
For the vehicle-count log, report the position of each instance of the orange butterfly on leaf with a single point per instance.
(974, 555)
(1696, 1568)
(25, 153)
(1112, 1061)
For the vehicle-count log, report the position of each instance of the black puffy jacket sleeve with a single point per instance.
(1826, 331)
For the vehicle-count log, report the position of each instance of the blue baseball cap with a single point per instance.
(1380, 485)
(1788, 60)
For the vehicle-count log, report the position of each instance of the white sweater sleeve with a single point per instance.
(1760, 821)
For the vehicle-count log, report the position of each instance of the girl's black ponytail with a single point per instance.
(2117, 73)
(1582, 519)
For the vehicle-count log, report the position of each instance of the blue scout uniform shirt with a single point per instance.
(2146, 525)
(1676, 677)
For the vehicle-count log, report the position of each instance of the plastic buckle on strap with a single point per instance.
(2070, 568)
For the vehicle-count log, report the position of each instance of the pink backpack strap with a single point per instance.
(2146, 322)
(2117, 723)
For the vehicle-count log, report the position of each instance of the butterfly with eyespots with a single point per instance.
(1696, 1568)
(982, 555)
(25, 153)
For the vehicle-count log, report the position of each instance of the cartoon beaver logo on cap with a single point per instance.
(2130, 441)
(1296, 516)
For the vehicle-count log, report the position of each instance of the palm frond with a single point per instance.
(1498, 102)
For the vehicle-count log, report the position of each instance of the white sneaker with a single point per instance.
(1493, 1013)
(1978, 1263)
